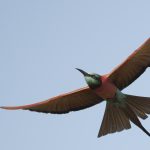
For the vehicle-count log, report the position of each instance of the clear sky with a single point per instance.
(41, 42)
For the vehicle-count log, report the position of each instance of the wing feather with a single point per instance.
(73, 101)
(132, 67)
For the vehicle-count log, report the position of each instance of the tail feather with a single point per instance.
(113, 126)
(133, 117)
(114, 120)
(124, 119)
(117, 116)
(139, 112)
(140, 105)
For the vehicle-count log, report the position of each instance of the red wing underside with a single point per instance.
(73, 101)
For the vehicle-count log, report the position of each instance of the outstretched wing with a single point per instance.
(73, 101)
(132, 67)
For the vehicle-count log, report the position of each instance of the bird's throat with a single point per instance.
(93, 83)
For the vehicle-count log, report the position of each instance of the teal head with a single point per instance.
(93, 80)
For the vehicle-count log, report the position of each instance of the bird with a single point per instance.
(121, 108)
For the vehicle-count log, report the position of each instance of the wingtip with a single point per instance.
(8, 108)
(2, 107)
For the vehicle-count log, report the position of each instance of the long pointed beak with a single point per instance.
(83, 72)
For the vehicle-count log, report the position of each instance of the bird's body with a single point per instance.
(108, 86)
(120, 108)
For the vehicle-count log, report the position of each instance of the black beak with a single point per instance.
(83, 72)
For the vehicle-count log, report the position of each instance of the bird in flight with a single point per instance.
(121, 109)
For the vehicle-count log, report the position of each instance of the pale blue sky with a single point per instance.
(41, 42)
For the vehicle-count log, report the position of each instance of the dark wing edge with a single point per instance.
(72, 101)
(127, 72)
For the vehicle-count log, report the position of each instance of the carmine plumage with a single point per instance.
(120, 108)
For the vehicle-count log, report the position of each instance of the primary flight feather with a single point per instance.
(120, 108)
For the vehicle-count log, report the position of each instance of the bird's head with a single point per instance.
(93, 80)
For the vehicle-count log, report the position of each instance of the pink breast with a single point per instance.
(107, 90)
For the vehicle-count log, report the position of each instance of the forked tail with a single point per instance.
(117, 115)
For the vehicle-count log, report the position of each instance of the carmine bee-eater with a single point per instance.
(120, 108)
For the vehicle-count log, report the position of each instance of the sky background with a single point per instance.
(41, 42)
